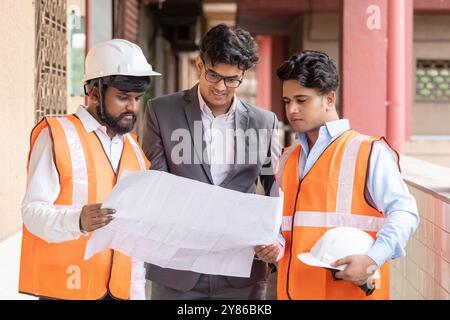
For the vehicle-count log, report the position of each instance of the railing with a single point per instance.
(424, 273)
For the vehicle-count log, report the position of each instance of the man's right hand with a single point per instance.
(93, 217)
(271, 253)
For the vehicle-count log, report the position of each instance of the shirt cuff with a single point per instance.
(137, 288)
(72, 221)
(379, 253)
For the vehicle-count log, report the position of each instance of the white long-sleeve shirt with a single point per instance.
(57, 224)
(219, 134)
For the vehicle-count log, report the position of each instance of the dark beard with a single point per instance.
(113, 122)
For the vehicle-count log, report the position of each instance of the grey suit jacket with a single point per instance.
(179, 114)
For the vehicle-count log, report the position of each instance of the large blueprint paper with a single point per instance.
(183, 224)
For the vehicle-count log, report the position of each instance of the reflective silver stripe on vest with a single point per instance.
(78, 160)
(138, 152)
(333, 220)
(347, 175)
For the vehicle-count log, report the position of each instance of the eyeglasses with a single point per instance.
(213, 77)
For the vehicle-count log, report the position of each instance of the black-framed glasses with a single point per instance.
(213, 77)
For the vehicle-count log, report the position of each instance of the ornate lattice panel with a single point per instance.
(433, 81)
(51, 58)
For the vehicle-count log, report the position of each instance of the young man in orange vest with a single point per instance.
(74, 162)
(335, 177)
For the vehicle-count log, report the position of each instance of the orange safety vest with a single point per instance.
(330, 195)
(58, 270)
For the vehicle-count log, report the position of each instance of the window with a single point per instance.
(433, 81)
(77, 46)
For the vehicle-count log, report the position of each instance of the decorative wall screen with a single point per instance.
(51, 58)
(433, 81)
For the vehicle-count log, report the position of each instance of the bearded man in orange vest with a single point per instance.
(74, 162)
(335, 177)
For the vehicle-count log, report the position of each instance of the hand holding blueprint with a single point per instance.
(183, 224)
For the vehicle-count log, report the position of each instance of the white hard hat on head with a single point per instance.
(116, 57)
(335, 244)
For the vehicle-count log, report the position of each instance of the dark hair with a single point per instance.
(312, 69)
(233, 46)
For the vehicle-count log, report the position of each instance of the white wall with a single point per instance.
(17, 109)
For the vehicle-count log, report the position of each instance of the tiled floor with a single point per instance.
(9, 269)
(10, 258)
(9, 272)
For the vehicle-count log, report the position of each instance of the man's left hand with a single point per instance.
(359, 269)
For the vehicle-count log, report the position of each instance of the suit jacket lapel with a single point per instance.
(194, 120)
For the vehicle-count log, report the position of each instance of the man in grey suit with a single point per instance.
(208, 134)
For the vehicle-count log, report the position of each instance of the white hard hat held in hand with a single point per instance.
(335, 244)
(116, 57)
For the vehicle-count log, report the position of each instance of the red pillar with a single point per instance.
(410, 76)
(263, 72)
(279, 55)
(364, 64)
(88, 26)
(272, 52)
(396, 80)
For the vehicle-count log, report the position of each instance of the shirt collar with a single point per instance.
(205, 109)
(337, 127)
(330, 130)
(90, 124)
